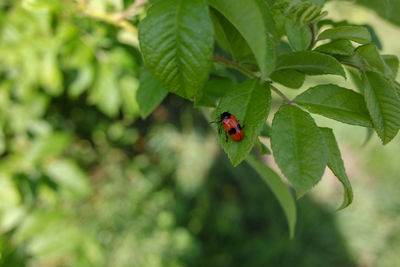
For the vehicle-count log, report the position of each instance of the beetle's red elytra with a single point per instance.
(232, 126)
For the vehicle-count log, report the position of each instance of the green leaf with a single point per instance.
(266, 131)
(67, 174)
(214, 89)
(149, 94)
(261, 44)
(82, 82)
(229, 38)
(269, 21)
(299, 36)
(176, 40)
(371, 55)
(392, 62)
(335, 163)
(128, 87)
(289, 78)
(312, 63)
(299, 148)
(357, 34)
(337, 103)
(264, 150)
(337, 47)
(383, 104)
(279, 189)
(47, 146)
(249, 102)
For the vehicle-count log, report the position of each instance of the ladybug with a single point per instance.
(232, 127)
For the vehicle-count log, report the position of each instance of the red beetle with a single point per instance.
(232, 126)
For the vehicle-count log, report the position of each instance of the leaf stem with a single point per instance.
(234, 65)
(243, 70)
(313, 36)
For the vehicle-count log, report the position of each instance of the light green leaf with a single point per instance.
(46, 146)
(299, 36)
(279, 189)
(383, 104)
(337, 103)
(149, 94)
(335, 163)
(264, 150)
(229, 38)
(82, 81)
(392, 62)
(261, 44)
(299, 148)
(357, 34)
(128, 87)
(249, 102)
(337, 47)
(68, 175)
(289, 78)
(312, 63)
(176, 40)
(371, 55)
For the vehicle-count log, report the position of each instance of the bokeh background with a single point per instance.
(84, 181)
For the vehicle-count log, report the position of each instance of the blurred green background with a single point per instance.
(84, 181)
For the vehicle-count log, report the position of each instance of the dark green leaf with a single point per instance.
(176, 40)
(335, 163)
(279, 189)
(309, 62)
(371, 55)
(149, 94)
(299, 36)
(250, 102)
(354, 33)
(392, 62)
(229, 38)
(261, 44)
(214, 89)
(299, 148)
(337, 103)
(266, 130)
(289, 78)
(337, 47)
(383, 104)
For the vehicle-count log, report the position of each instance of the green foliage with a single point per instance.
(280, 190)
(383, 104)
(250, 102)
(337, 103)
(299, 148)
(176, 42)
(353, 33)
(70, 93)
(311, 63)
(335, 163)
(260, 44)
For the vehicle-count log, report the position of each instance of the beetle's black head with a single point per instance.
(225, 115)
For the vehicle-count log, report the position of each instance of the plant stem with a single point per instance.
(279, 92)
(234, 65)
(313, 36)
(243, 70)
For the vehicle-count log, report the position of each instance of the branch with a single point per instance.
(245, 71)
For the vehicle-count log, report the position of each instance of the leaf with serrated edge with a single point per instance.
(383, 104)
(289, 78)
(372, 57)
(298, 147)
(335, 163)
(249, 102)
(260, 44)
(338, 47)
(279, 189)
(176, 41)
(309, 62)
(357, 34)
(337, 103)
